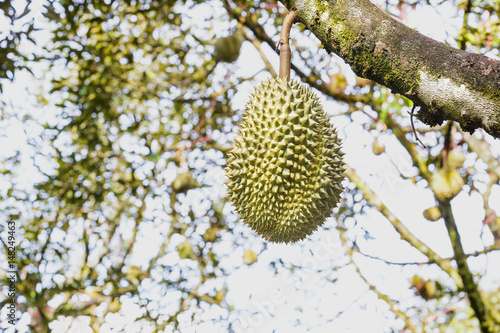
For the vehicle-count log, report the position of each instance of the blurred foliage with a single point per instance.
(481, 29)
(127, 204)
(11, 58)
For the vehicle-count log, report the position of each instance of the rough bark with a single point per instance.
(447, 83)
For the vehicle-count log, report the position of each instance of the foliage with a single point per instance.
(124, 205)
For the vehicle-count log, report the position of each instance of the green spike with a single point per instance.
(286, 173)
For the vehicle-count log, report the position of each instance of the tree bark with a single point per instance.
(447, 83)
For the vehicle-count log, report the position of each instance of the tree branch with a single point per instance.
(447, 83)
(258, 46)
(406, 235)
(421, 263)
(259, 33)
(481, 309)
(483, 151)
(392, 304)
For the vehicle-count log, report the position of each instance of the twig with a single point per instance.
(413, 127)
(374, 201)
(473, 254)
(260, 33)
(392, 304)
(285, 51)
(417, 159)
(258, 45)
(422, 130)
(445, 311)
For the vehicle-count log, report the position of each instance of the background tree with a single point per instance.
(118, 195)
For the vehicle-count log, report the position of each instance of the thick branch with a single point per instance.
(483, 313)
(324, 88)
(445, 82)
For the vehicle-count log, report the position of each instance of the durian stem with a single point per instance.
(285, 51)
(488, 318)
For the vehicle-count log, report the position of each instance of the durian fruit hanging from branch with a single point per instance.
(447, 182)
(432, 214)
(284, 171)
(377, 147)
(227, 49)
(455, 159)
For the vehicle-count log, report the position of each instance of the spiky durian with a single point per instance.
(249, 257)
(285, 169)
(446, 184)
(426, 288)
(432, 214)
(227, 49)
(377, 148)
(456, 159)
(186, 250)
(184, 182)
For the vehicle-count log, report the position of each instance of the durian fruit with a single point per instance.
(427, 289)
(432, 214)
(134, 274)
(446, 184)
(285, 169)
(227, 49)
(184, 182)
(377, 148)
(114, 306)
(210, 235)
(249, 257)
(186, 250)
(456, 159)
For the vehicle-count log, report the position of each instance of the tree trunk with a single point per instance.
(447, 83)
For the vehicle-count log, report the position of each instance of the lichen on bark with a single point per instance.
(382, 49)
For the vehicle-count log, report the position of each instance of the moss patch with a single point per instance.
(374, 60)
